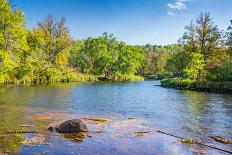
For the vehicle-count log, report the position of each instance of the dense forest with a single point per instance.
(47, 53)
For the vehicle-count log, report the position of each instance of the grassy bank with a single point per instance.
(72, 77)
(126, 77)
(55, 75)
(222, 87)
(50, 76)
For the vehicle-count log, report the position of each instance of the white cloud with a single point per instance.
(183, 0)
(171, 13)
(178, 5)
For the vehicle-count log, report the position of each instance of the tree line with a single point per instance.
(205, 53)
(47, 53)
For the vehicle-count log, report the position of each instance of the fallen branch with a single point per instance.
(15, 132)
(142, 133)
(197, 142)
(26, 126)
(221, 139)
(95, 119)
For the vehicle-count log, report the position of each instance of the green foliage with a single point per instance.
(221, 73)
(201, 40)
(53, 39)
(207, 62)
(13, 42)
(107, 57)
(196, 67)
(229, 40)
(12, 30)
(125, 77)
(6, 67)
(178, 83)
(158, 59)
(177, 63)
(36, 56)
(48, 54)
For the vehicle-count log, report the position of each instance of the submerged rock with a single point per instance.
(97, 131)
(98, 121)
(71, 126)
(50, 128)
(221, 139)
(77, 137)
(35, 141)
(142, 133)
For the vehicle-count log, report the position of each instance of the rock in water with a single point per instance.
(72, 126)
(50, 128)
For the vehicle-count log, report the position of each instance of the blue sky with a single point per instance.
(133, 21)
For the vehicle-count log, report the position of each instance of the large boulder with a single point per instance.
(72, 126)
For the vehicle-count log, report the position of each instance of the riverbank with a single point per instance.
(50, 78)
(54, 77)
(205, 86)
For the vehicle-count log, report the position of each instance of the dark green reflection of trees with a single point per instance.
(196, 101)
(195, 109)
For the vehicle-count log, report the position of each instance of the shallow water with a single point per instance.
(149, 108)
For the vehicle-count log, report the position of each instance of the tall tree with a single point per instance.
(190, 38)
(13, 39)
(208, 36)
(202, 38)
(229, 40)
(52, 38)
(13, 33)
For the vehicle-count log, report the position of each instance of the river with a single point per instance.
(128, 107)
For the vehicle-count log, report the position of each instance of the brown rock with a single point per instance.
(72, 126)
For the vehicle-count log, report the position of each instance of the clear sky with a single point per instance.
(133, 21)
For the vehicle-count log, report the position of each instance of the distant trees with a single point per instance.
(106, 56)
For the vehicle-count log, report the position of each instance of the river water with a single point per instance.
(127, 108)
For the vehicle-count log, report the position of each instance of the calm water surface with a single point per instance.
(184, 113)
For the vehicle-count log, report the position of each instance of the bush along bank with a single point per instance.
(205, 86)
(49, 76)
(55, 75)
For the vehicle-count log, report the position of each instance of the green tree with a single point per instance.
(196, 64)
(52, 38)
(177, 63)
(202, 38)
(229, 40)
(13, 40)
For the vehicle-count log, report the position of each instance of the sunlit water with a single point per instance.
(149, 107)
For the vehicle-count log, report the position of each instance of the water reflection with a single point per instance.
(11, 118)
(76, 137)
(185, 113)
